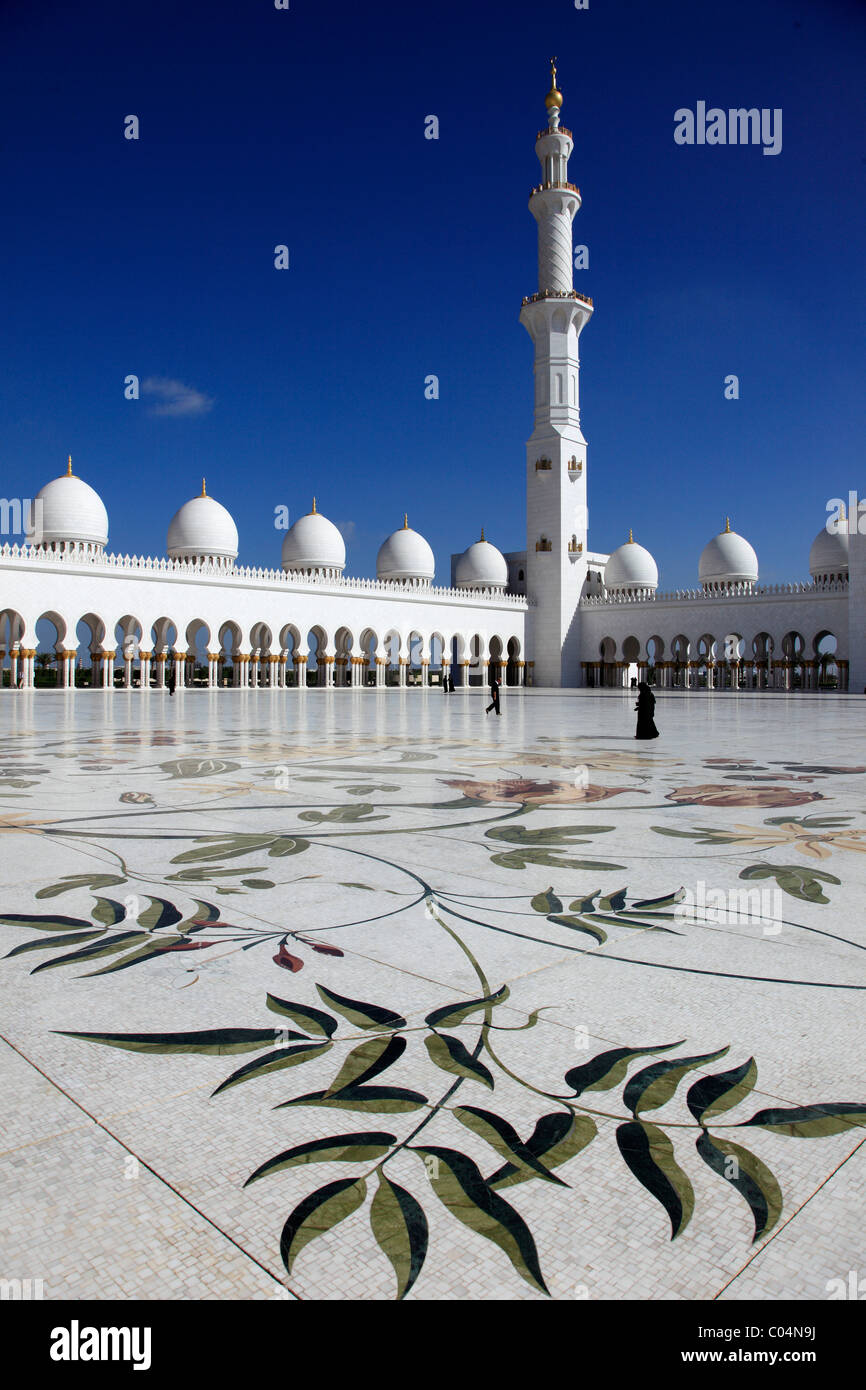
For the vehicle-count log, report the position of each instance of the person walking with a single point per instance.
(646, 703)
(494, 694)
(171, 680)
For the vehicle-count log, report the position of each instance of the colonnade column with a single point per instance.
(844, 669)
(326, 666)
(382, 664)
(145, 659)
(28, 657)
(401, 680)
(425, 671)
(107, 675)
(300, 663)
(67, 669)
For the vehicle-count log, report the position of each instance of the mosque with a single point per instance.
(556, 614)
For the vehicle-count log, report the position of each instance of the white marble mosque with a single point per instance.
(556, 614)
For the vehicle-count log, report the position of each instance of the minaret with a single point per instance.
(556, 515)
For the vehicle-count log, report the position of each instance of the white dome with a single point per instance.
(71, 511)
(728, 559)
(482, 566)
(829, 553)
(202, 529)
(314, 543)
(405, 555)
(631, 566)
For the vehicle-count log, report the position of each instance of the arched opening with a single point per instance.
(730, 674)
(344, 641)
(477, 668)
(261, 666)
(826, 669)
(127, 643)
(706, 662)
(513, 665)
(196, 656)
(680, 656)
(793, 657)
(437, 653)
(290, 645)
(631, 658)
(495, 652)
(655, 667)
(392, 644)
(415, 670)
(48, 667)
(366, 663)
(164, 637)
(229, 650)
(11, 642)
(317, 643)
(607, 653)
(90, 666)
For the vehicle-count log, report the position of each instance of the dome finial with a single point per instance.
(630, 536)
(553, 100)
(405, 521)
(727, 525)
(203, 488)
(482, 533)
(313, 513)
(69, 467)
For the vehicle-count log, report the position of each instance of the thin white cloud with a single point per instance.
(175, 397)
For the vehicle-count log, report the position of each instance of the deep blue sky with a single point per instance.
(410, 257)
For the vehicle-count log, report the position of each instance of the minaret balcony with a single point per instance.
(574, 467)
(555, 294)
(543, 465)
(560, 130)
(543, 545)
(559, 183)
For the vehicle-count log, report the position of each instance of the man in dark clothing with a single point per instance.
(494, 694)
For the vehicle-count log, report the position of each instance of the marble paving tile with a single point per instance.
(454, 920)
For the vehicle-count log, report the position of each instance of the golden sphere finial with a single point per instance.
(313, 513)
(727, 525)
(203, 489)
(553, 100)
(69, 467)
(405, 521)
(630, 536)
(482, 533)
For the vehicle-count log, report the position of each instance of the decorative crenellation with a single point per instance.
(238, 575)
(738, 591)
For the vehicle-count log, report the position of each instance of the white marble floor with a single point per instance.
(361, 994)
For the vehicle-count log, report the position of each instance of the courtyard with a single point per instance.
(351, 994)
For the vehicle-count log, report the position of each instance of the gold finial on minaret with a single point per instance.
(482, 533)
(313, 513)
(405, 521)
(630, 536)
(69, 467)
(553, 100)
(727, 525)
(203, 489)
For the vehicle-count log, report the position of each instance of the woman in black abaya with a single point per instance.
(646, 703)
